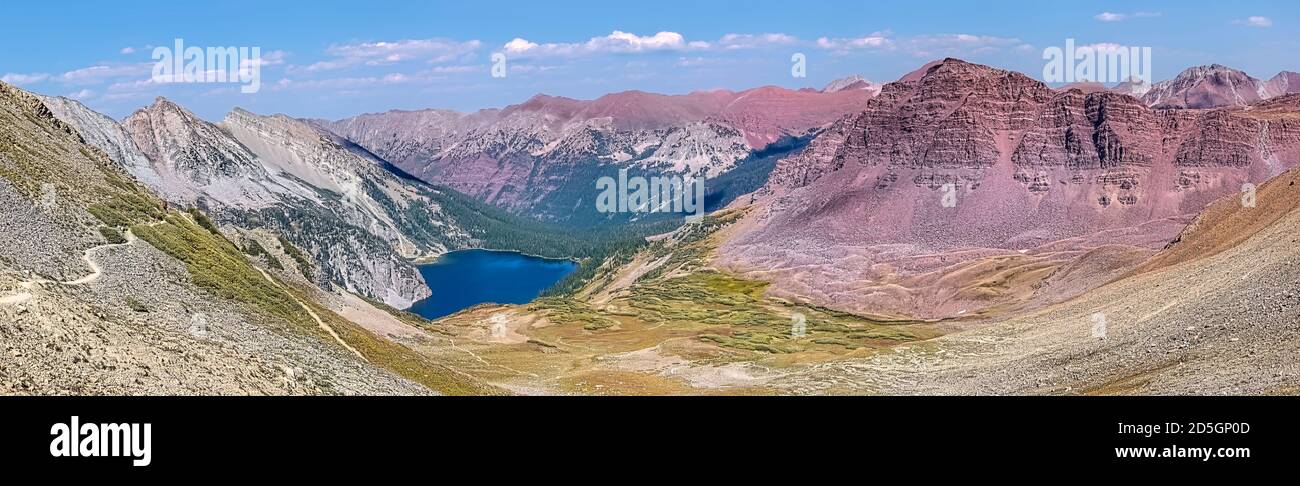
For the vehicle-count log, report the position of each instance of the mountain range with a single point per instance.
(524, 156)
(962, 209)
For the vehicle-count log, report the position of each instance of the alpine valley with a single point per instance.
(962, 230)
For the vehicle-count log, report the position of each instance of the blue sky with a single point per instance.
(332, 59)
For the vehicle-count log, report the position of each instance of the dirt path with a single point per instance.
(486, 362)
(95, 272)
(15, 299)
(325, 327)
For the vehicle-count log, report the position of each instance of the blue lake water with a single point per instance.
(462, 279)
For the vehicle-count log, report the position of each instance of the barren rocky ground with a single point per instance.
(1225, 324)
(87, 339)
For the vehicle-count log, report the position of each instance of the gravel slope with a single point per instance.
(1208, 324)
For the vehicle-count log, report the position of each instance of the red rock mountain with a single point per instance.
(763, 114)
(965, 189)
(1215, 86)
(1286, 82)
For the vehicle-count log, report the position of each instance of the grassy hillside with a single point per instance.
(683, 293)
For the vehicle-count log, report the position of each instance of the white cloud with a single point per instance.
(380, 53)
(750, 41)
(343, 83)
(624, 42)
(102, 72)
(81, 95)
(929, 45)
(127, 50)
(940, 45)
(269, 58)
(132, 97)
(520, 45)
(144, 82)
(456, 69)
(877, 40)
(19, 79)
(1118, 17)
(691, 62)
(137, 85)
(1103, 47)
(272, 58)
(1255, 21)
(428, 76)
(616, 42)
(531, 68)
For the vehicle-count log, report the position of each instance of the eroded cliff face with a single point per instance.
(965, 187)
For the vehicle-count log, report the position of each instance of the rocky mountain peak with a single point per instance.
(1289, 77)
(952, 75)
(1134, 86)
(957, 66)
(1206, 86)
(853, 82)
(1215, 73)
(163, 105)
(105, 133)
(1286, 82)
(919, 72)
(186, 147)
(306, 137)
